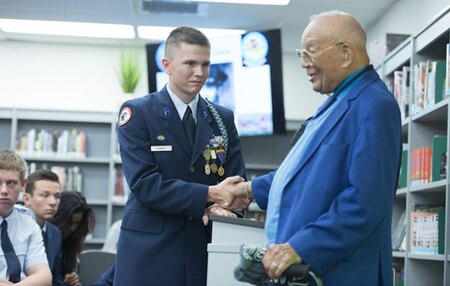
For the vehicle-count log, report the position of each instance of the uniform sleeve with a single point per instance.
(36, 250)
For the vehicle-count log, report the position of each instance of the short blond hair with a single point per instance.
(11, 161)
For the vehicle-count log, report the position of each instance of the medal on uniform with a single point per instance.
(214, 167)
(207, 155)
(221, 171)
(221, 155)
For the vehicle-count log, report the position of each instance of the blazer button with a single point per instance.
(192, 169)
(189, 218)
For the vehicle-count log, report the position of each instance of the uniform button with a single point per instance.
(189, 218)
(192, 169)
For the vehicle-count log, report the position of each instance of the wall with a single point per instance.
(61, 76)
(406, 17)
(83, 77)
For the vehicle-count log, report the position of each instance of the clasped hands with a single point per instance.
(233, 193)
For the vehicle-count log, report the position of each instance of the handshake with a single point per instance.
(233, 193)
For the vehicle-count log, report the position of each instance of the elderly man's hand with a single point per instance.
(278, 258)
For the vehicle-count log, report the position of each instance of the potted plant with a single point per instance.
(129, 74)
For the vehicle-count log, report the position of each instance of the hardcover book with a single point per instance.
(439, 159)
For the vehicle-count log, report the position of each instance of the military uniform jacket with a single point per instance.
(163, 240)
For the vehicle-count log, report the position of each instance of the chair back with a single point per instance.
(93, 263)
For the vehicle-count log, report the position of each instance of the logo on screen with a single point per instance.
(254, 49)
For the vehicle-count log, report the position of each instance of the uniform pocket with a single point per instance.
(149, 222)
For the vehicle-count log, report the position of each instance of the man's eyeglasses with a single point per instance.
(308, 57)
(10, 184)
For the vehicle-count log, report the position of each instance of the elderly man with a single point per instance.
(330, 202)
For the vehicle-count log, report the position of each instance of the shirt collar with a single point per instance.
(181, 106)
(348, 79)
(44, 228)
(9, 217)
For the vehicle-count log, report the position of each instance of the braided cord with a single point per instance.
(219, 122)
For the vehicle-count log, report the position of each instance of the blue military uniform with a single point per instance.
(163, 240)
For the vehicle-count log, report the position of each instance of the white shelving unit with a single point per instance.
(97, 168)
(418, 131)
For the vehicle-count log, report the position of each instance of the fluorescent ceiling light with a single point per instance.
(161, 33)
(75, 29)
(256, 2)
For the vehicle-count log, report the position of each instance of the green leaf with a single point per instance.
(130, 71)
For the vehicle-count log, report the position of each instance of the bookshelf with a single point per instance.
(95, 164)
(427, 116)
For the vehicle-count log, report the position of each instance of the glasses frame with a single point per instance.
(309, 55)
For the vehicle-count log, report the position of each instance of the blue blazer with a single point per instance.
(53, 250)
(163, 240)
(336, 209)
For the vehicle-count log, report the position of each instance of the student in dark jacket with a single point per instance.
(42, 195)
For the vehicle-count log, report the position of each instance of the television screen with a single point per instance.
(245, 76)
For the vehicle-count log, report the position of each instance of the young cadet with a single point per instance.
(175, 148)
(22, 253)
(42, 196)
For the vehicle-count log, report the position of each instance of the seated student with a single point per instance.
(76, 220)
(22, 253)
(42, 195)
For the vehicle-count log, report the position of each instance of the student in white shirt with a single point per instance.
(22, 230)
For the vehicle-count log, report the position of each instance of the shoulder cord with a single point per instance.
(219, 122)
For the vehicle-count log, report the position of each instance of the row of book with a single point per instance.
(400, 88)
(68, 143)
(431, 84)
(428, 164)
(121, 189)
(427, 230)
(71, 178)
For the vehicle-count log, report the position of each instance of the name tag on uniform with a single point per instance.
(161, 148)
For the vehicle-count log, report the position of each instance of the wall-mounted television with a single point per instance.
(245, 76)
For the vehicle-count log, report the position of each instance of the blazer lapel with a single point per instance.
(49, 246)
(168, 113)
(334, 117)
(204, 130)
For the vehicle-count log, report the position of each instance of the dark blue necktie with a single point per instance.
(44, 238)
(189, 125)
(11, 258)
